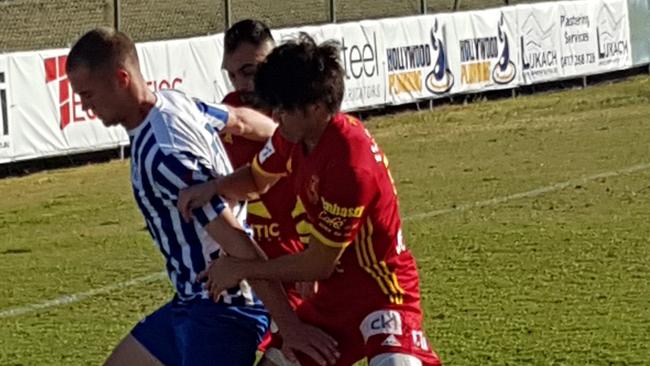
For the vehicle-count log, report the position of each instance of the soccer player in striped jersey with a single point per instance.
(369, 295)
(173, 146)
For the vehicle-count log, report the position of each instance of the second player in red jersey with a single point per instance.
(247, 43)
(369, 297)
(348, 194)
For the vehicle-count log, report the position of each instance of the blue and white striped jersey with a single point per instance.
(175, 147)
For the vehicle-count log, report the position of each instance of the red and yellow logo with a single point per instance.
(336, 210)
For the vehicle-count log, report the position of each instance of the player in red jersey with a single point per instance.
(246, 44)
(369, 296)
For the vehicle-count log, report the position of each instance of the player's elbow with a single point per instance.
(262, 189)
(323, 271)
(261, 186)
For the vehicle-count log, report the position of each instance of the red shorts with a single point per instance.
(390, 329)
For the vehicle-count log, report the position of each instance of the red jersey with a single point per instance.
(346, 190)
(270, 217)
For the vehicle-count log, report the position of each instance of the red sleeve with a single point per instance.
(275, 157)
(345, 195)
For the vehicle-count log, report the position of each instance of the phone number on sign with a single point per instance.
(579, 59)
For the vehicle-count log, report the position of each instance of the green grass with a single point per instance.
(557, 279)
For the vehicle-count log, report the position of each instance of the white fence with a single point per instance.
(387, 62)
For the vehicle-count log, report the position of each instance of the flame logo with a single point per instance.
(504, 71)
(440, 79)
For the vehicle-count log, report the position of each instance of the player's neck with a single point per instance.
(144, 101)
(314, 135)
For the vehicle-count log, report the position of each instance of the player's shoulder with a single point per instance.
(178, 124)
(351, 141)
(174, 105)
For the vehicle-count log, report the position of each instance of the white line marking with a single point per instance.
(528, 194)
(69, 299)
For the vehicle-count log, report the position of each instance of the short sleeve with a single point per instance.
(343, 200)
(275, 156)
(216, 113)
(175, 171)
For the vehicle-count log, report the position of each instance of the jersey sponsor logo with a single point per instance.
(336, 210)
(266, 231)
(334, 222)
(381, 322)
(267, 151)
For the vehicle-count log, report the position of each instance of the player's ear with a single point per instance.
(318, 109)
(123, 78)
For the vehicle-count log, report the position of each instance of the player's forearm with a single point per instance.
(289, 268)
(275, 300)
(240, 247)
(251, 124)
(240, 185)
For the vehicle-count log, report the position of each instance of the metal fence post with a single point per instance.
(423, 6)
(116, 15)
(332, 11)
(227, 13)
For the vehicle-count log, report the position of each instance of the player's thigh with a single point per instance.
(131, 352)
(157, 335)
(219, 339)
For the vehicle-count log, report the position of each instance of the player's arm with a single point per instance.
(331, 232)
(173, 172)
(240, 121)
(299, 336)
(267, 168)
(317, 262)
(249, 123)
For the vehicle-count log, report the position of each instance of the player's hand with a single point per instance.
(194, 197)
(311, 341)
(221, 274)
(307, 289)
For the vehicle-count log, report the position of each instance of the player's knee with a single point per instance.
(275, 357)
(394, 359)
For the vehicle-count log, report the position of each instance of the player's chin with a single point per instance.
(108, 122)
(290, 137)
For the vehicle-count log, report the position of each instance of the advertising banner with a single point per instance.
(485, 52)
(417, 60)
(539, 42)
(612, 34)
(388, 61)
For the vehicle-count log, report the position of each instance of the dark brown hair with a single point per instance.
(102, 47)
(299, 73)
(250, 31)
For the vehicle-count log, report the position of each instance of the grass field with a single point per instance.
(555, 277)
